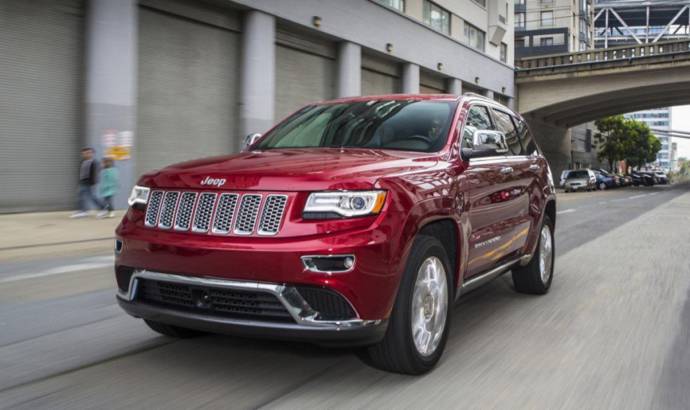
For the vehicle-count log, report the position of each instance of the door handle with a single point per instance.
(534, 167)
(507, 170)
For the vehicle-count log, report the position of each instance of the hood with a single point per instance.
(290, 170)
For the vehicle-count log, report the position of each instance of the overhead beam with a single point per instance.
(670, 23)
(625, 26)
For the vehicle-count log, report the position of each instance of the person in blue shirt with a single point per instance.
(108, 187)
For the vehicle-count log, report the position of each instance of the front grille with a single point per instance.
(249, 209)
(152, 209)
(227, 213)
(233, 303)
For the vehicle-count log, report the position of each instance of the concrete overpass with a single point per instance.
(556, 92)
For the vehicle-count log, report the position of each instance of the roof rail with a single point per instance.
(474, 94)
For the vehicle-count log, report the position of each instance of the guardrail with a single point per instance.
(604, 55)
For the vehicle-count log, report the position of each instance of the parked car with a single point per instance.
(580, 180)
(642, 178)
(625, 180)
(353, 222)
(604, 180)
(661, 178)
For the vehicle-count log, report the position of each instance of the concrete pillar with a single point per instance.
(454, 86)
(110, 88)
(410, 78)
(349, 70)
(257, 87)
(555, 142)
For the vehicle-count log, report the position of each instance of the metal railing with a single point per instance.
(605, 55)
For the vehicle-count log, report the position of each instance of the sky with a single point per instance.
(680, 121)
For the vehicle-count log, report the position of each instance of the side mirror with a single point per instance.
(486, 143)
(249, 140)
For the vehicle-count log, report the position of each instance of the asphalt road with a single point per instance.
(614, 332)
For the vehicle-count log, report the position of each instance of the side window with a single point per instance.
(528, 144)
(478, 118)
(506, 126)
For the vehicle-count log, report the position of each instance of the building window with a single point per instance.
(480, 2)
(520, 21)
(519, 42)
(547, 18)
(504, 52)
(394, 4)
(546, 41)
(520, 2)
(474, 37)
(437, 17)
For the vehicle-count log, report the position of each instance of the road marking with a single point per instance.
(565, 211)
(96, 263)
(637, 196)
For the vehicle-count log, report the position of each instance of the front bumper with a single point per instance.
(305, 325)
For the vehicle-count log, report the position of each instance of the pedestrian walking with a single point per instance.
(88, 177)
(109, 185)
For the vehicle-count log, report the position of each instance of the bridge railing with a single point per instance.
(604, 55)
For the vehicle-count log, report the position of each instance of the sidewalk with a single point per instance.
(51, 233)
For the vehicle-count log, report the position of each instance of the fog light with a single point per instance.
(329, 263)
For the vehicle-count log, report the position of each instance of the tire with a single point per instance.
(398, 352)
(529, 278)
(602, 186)
(172, 331)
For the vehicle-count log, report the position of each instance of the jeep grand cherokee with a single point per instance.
(352, 222)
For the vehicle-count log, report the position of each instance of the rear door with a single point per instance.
(487, 208)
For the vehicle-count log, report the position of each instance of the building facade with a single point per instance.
(552, 26)
(544, 27)
(154, 82)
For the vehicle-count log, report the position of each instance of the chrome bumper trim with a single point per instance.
(289, 296)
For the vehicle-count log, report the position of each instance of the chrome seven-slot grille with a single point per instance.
(218, 213)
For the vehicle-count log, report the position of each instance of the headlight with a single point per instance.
(326, 205)
(139, 195)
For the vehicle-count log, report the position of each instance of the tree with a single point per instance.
(640, 146)
(619, 138)
(610, 139)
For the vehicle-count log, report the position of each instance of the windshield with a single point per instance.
(378, 124)
(578, 174)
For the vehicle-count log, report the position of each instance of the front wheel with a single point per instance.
(602, 186)
(418, 325)
(537, 275)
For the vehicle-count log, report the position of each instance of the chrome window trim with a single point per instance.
(260, 217)
(288, 296)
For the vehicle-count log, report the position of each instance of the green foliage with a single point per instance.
(623, 139)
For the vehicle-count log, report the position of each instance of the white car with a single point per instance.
(578, 180)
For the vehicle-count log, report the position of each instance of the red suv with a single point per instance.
(352, 222)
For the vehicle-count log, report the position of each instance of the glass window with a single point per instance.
(437, 17)
(529, 147)
(394, 4)
(504, 52)
(546, 41)
(379, 124)
(520, 20)
(478, 118)
(474, 37)
(519, 42)
(480, 2)
(547, 18)
(506, 126)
